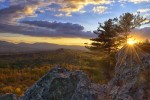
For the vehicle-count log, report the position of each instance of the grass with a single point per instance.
(20, 71)
(16, 80)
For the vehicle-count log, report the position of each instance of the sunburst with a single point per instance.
(131, 41)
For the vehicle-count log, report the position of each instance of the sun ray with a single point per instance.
(140, 62)
(122, 57)
(130, 54)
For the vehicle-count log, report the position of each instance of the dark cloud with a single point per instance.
(9, 15)
(9, 22)
(18, 9)
(62, 29)
(55, 25)
(47, 29)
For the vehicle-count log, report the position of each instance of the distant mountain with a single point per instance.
(8, 47)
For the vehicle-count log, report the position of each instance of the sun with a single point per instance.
(131, 41)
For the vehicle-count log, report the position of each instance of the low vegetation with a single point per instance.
(20, 71)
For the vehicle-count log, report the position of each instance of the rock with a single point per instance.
(8, 97)
(62, 84)
(126, 83)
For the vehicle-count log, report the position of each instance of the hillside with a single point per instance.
(8, 47)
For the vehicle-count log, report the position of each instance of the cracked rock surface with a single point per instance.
(62, 84)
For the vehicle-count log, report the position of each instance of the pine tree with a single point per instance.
(129, 21)
(107, 41)
(107, 37)
(111, 34)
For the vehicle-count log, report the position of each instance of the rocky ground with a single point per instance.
(62, 84)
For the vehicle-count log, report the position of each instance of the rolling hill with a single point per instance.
(8, 47)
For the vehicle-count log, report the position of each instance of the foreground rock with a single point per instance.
(62, 84)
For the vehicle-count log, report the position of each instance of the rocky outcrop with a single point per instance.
(126, 84)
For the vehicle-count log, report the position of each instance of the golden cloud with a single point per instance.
(30, 10)
(70, 6)
(22, 8)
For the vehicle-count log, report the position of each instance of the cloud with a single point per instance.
(70, 6)
(67, 6)
(47, 29)
(146, 15)
(22, 8)
(143, 10)
(59, 15)
(134, 1)
(18, 9)
(10, 21)
(2, 1)
(138, 1)
(100, 9)
(15, 12)
(82, 11)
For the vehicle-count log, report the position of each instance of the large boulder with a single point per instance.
(62, 84)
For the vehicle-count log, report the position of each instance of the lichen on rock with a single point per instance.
(62, 84)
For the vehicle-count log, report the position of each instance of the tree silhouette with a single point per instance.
(107, 37)
(112, 33)
(129, 21)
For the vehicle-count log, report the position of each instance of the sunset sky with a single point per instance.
(64, 22)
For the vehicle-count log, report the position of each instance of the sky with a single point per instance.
(64, 22)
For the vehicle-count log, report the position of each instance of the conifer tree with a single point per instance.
(107, 37)
(127, 22)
